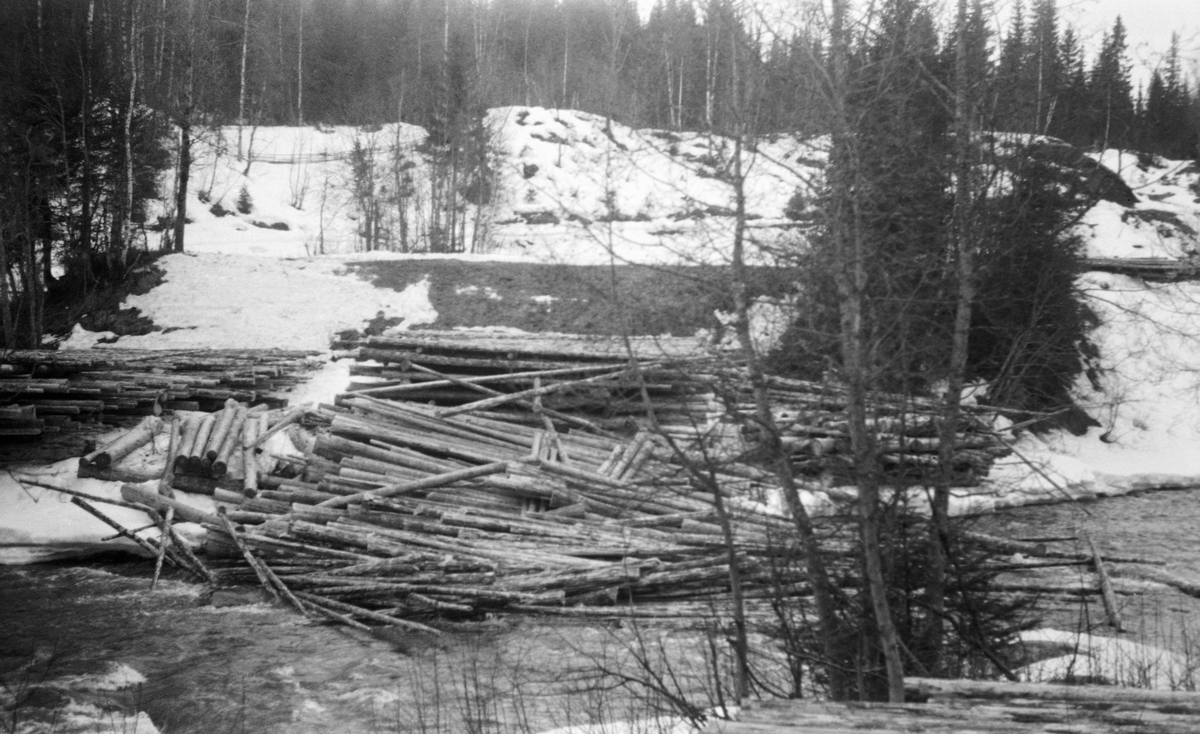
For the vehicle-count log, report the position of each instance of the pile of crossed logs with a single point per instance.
(464, 475)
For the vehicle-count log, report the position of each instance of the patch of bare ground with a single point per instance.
(627, 299)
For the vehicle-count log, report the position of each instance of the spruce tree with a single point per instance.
(1111, 93)
(1043, 72)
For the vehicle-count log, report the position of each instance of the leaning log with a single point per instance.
(1107, 594)
(183, 511)
(125, 445)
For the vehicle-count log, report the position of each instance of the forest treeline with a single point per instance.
(99, 97)
(288, 62)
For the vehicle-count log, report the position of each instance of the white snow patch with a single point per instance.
(323, 385)
(1117, 661)
(41, 524)
(217, 301)
(81, 338)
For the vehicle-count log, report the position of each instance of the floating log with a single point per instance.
(1159, 576)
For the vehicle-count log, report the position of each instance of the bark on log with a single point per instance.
(168, 475)
(352, 610)
(121, 529)
(1160, 576)
(1106, 589)
(997, 690)
(200, 444)
(439, 480)
(187, 437)
(232, 440)
(134, 493)
(225, 420)
(249, 457)
(492, 402)
(125, 445)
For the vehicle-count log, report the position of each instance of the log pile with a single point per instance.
(43, 393)
(811, 420)
(397, 513)
(698, 397)
(472, 475)
(600, 378)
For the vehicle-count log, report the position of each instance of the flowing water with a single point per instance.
(257, 668)
(1161, 526)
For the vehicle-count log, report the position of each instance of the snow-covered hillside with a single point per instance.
(558, 176)
(574, 188)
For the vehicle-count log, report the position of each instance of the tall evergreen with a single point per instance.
(1111, 92)
(1165, 126)
(1071, 113)
(1044, 68)
(1009, 105)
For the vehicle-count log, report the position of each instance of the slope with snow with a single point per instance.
(575, 188)
(1146, 390)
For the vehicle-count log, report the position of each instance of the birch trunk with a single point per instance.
(851, 277)
(242, 77)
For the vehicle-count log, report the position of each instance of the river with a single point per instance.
(230, 666)
(1162, 526)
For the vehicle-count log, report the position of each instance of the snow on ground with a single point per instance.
(222, 301)
(568, 187)
(40, 524)
(1110, 660)
(1146, 390)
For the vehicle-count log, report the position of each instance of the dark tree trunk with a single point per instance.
(185, 165)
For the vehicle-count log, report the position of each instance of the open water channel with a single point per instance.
(244, 667)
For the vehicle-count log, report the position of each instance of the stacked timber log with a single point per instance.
(1155, 269)
(51, 392)
(601, 378)
(697, 396)
(811, 419)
